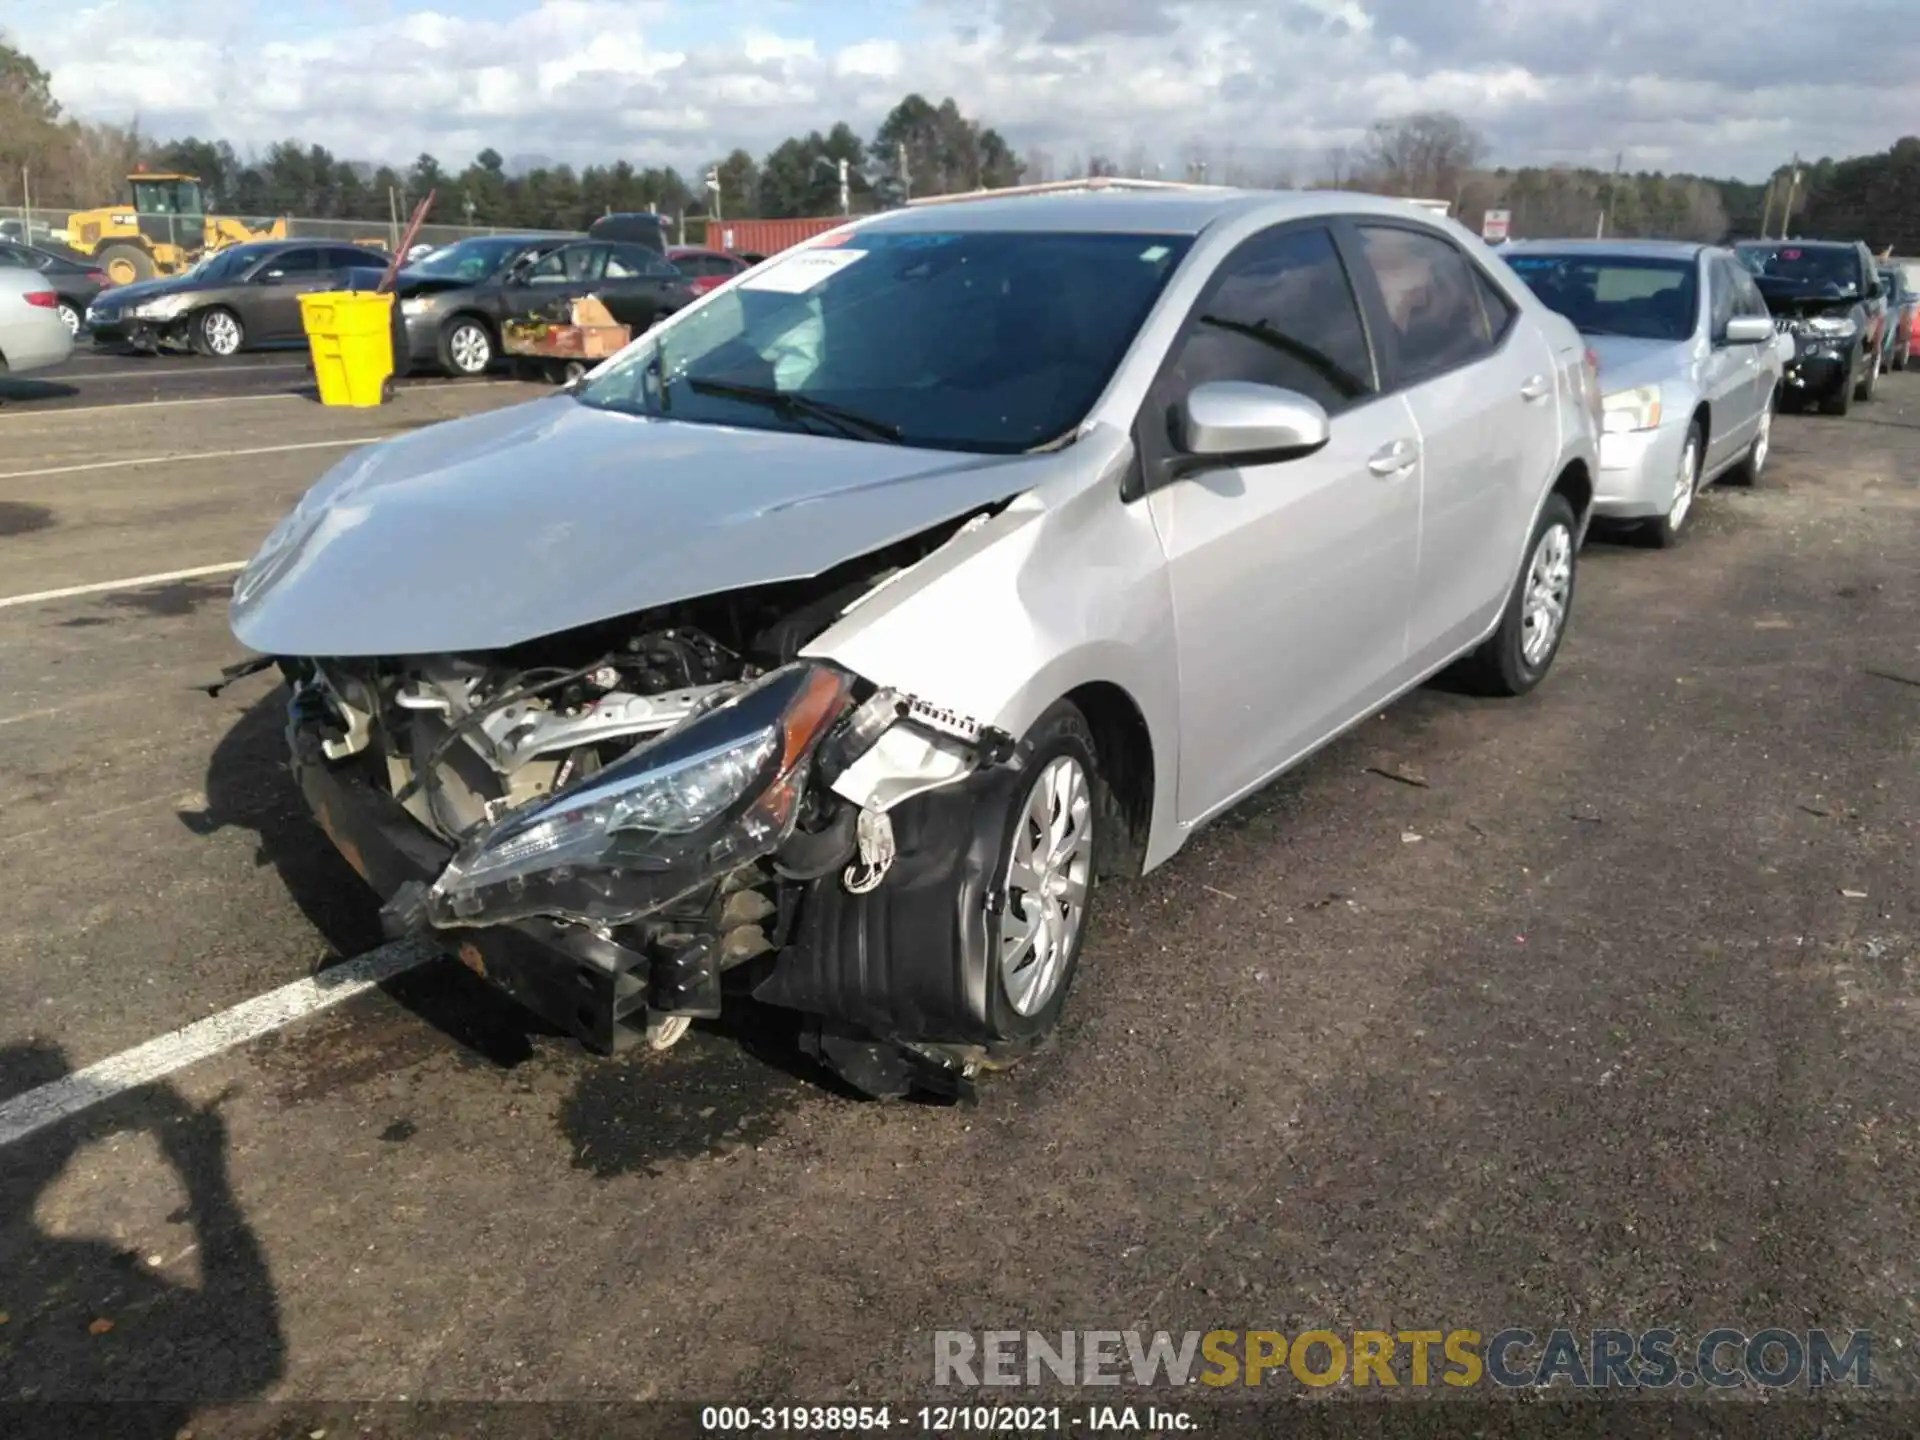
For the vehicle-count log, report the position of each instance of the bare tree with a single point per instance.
(1424, 155)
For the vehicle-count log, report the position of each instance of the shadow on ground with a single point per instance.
(90, 1321)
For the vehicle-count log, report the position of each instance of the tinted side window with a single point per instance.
(348, 257)
(1501, 312)
(11, 256)
(571, 264)
(293, 262)
(1720, 279)
(1433, 300)
(1283, 314)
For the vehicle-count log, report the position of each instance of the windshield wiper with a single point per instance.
(1321, 363)
(850, 423)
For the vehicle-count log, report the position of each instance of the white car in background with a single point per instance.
(32, 334)
(1690, 366)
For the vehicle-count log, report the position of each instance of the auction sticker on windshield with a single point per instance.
(796, 273)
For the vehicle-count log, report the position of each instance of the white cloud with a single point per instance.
(1724, 86)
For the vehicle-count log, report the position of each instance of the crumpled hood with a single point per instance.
(1627, 362)
(508, 526)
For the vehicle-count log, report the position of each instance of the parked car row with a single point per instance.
(1698, 346)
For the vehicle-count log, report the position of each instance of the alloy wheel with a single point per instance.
(1549, 587)
(70, 317)
(222, 333)
(1048, 878)
(470, 348)
(1762, 439)
(1685, 481)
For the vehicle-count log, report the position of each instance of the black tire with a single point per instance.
(1754, 462)
(467, 347)
(1664, 532)
(218, 332)
(1863, 392)
(134, 264)
(1839, 400)
(1060, 733)
(1500, 666)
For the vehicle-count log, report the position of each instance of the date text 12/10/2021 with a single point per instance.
(943, 1419)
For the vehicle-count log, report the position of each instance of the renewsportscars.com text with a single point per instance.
(1601, 1359)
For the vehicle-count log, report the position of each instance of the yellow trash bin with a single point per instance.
(351, 336)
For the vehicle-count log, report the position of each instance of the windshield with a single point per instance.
(1804, 269)
(1647, 299)
(224, 264)
(468, 260)
(981, 341)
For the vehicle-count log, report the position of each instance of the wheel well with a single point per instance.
(1577, 485)
(1703, 417)
(1123, 747)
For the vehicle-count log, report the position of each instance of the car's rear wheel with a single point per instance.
(1517, 656)
(1748, 471)
(466, 347)
(217, 331)
(69, 317)
(1864, 390)
(1665, 531)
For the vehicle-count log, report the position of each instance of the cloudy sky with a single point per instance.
(1715, 86)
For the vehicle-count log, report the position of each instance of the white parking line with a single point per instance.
(65, 410)
(142, 1065)
(160, 371)
(135, 582)
(187, 459)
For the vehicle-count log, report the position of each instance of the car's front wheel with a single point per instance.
(1864, 391)
(217, 331)
(466, 347)
(1036, 917)
(1517, 656)
(1665, 531)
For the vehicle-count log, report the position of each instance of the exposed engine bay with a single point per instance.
(663, 783)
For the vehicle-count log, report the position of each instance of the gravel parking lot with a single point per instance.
(1595, 1007)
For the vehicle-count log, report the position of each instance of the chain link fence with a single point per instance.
(41, 226)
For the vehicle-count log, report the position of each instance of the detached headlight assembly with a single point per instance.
(682, 809)
(1636, 409)
(165, 308)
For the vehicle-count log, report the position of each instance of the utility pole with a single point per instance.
(906, 175)
(1766, 210)
(846, 190)
(1793, 188)
(1613, 187)
(713, 185)
(393, 217)
(26, 205)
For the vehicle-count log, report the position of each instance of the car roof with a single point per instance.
(1801, 244)
(1185, 211)
(1625, 249)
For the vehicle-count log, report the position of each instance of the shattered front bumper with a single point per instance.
(589, 986)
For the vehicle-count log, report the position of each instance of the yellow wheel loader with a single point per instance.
(165, 230)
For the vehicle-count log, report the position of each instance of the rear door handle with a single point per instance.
(1538, 388)
(1394, 459)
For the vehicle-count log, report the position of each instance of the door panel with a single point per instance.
(272, 310)
(1726, 374)
(1481, 386)
(1290, 594)
(1290, 580)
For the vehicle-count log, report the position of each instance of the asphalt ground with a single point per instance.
(1597, 1007)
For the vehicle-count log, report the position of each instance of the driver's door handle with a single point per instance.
(1538, 388)
(1394, 459)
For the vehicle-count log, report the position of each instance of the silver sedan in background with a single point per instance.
(32, 334)
(1688, 366)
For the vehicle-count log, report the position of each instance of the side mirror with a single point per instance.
(1226, 420)
(1749, 330)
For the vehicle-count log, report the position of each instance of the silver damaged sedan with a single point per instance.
(1689, 365)
(833, 642)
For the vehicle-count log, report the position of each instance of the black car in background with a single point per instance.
(1826, 294)
(632, 227)
(637, 285)
(235, 299)
(453, 302)
(74, 281)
